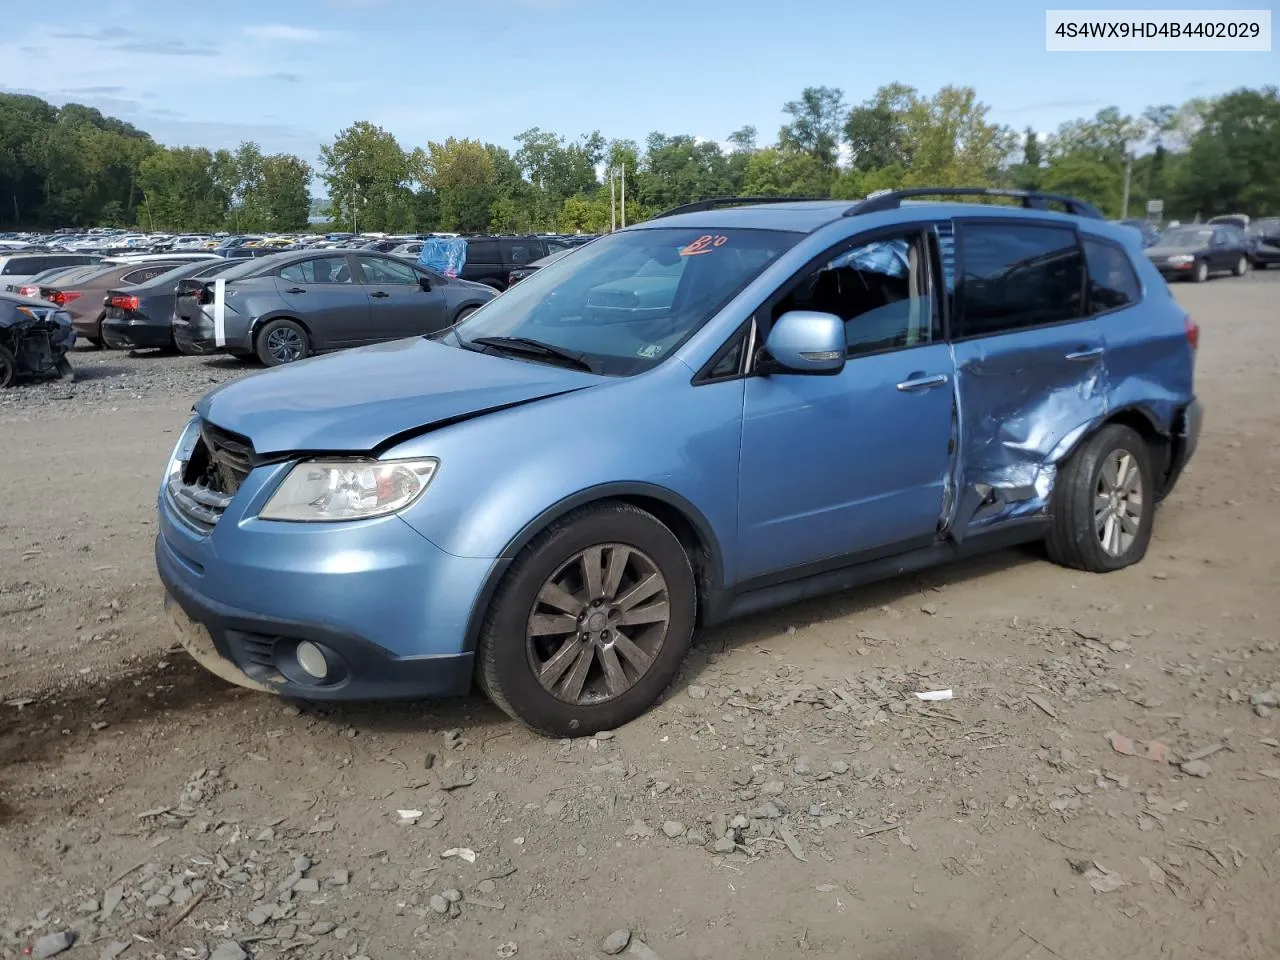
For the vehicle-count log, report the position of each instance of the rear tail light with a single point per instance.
(1193, 333)
(63, 297)
(124, 302)
(28, 291)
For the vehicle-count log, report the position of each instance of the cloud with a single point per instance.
(286, 76)
(165, 48)
(98, 35)
(283, 31)
(104, 90)
(1078, 103)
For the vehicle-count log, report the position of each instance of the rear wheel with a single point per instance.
(1201, 271)
(282, 341)
(1241, 267)
(591, 622)
(8, 368)
(1104, 503)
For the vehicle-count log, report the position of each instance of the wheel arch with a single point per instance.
(261, 321)
(676, 513)
(1144, 422)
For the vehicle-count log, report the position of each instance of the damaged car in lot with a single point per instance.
(725, 408)
(34, 339)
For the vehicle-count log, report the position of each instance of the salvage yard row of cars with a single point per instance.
(279, 299)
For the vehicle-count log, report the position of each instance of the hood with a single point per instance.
(356, 400)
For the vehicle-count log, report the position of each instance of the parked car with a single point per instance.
(549, 497)
(1196, 252)
(140, 317)
(296, 304)
(17, 269)
(521, 273)
(83, 295)
(247, 252)
(1238, 220)
(490, 260)
(34, 339)
(1264, 236)
(31, 288)
(1148, 230)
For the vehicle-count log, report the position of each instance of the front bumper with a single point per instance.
(140, 333)
(390, 611)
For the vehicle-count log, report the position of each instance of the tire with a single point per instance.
(1241, 267)
(1075, 539)
(464, 313)
(1200, 273)
(508, 659)
(282, 341)
(8, 368)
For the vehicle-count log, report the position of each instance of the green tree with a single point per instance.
(680, 169)
(953, 143)
(285, 197)
(368, 175)
(463, 176)
(1233, 164)
(816, 121)
(773, 172)
(876, 130)
(181, 190)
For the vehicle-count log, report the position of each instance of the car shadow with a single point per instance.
(98, 371)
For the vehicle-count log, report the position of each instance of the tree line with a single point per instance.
(73, 166)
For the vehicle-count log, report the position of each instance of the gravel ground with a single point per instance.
(1106, 782)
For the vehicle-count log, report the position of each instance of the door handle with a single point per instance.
(923, 383)
(379, 294)
(1085, 354)
(296, 290)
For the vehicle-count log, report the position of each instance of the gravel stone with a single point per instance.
(439, 904)
(52, 944)
(615, 942)
(673, 828)
(229, 950)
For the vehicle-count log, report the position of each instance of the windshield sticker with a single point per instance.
(704, 244)
(649, 351)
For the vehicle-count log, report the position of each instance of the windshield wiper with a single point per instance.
(534, 348)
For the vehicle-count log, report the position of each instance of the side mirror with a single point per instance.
(804, 341)
(425, 284)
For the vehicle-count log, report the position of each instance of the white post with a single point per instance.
(624, 196)
(613, 210)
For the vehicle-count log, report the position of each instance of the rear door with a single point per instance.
(1030, 366)
(322, 292)
(398, 305)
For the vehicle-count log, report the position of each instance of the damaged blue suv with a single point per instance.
(732, 406)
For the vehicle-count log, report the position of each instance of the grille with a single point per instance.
(219, 464)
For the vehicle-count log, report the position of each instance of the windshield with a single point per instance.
(624, 302)
(1186, 237)
(1268, 227)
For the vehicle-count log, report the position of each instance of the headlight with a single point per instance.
(1181, 258)
(182, 450)
(326, 490)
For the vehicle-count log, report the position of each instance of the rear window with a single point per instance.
(143, 274)
(1112, 282)
(1016, 276)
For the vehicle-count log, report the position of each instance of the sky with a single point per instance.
(292, 73)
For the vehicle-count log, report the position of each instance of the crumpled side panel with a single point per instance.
(1020, 399)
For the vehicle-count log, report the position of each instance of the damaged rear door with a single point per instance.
(1030, 367)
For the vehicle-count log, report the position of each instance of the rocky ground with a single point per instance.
(1104, 782)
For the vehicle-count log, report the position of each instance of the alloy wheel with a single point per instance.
(598, 624)
(284, 345)
(1118, 502)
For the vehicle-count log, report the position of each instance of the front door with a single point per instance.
(1030, 365)
(326, 299)
(398, 305)
(840, 468)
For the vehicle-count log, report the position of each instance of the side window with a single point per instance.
(881, 290)
(1112, 282)
(522, 253)
(320, 270)
(482, 251)
(1015, 276)
(376, 270)
(146, 273)
(730, 363)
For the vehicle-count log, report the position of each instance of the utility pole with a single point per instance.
(1128, 172)
(624, 196)
(613, 210)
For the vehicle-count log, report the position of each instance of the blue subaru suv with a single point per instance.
(732, 406)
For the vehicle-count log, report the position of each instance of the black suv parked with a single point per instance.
(490, 260)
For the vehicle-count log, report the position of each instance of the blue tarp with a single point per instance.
(445, 255)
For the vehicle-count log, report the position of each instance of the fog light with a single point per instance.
(312, 660)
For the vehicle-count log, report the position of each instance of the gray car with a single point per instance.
(290, 305)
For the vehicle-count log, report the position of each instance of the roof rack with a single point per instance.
(1031, 200)
(713, 203)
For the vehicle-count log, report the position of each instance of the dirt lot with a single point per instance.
(156, 812)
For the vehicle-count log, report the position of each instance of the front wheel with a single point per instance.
(590, 624)
(1104, 503)
(8, 368)
(282, 341)
(1241, 267)
(1201, 272)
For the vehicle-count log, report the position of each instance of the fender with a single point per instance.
(1076, 437)
(713, 574)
